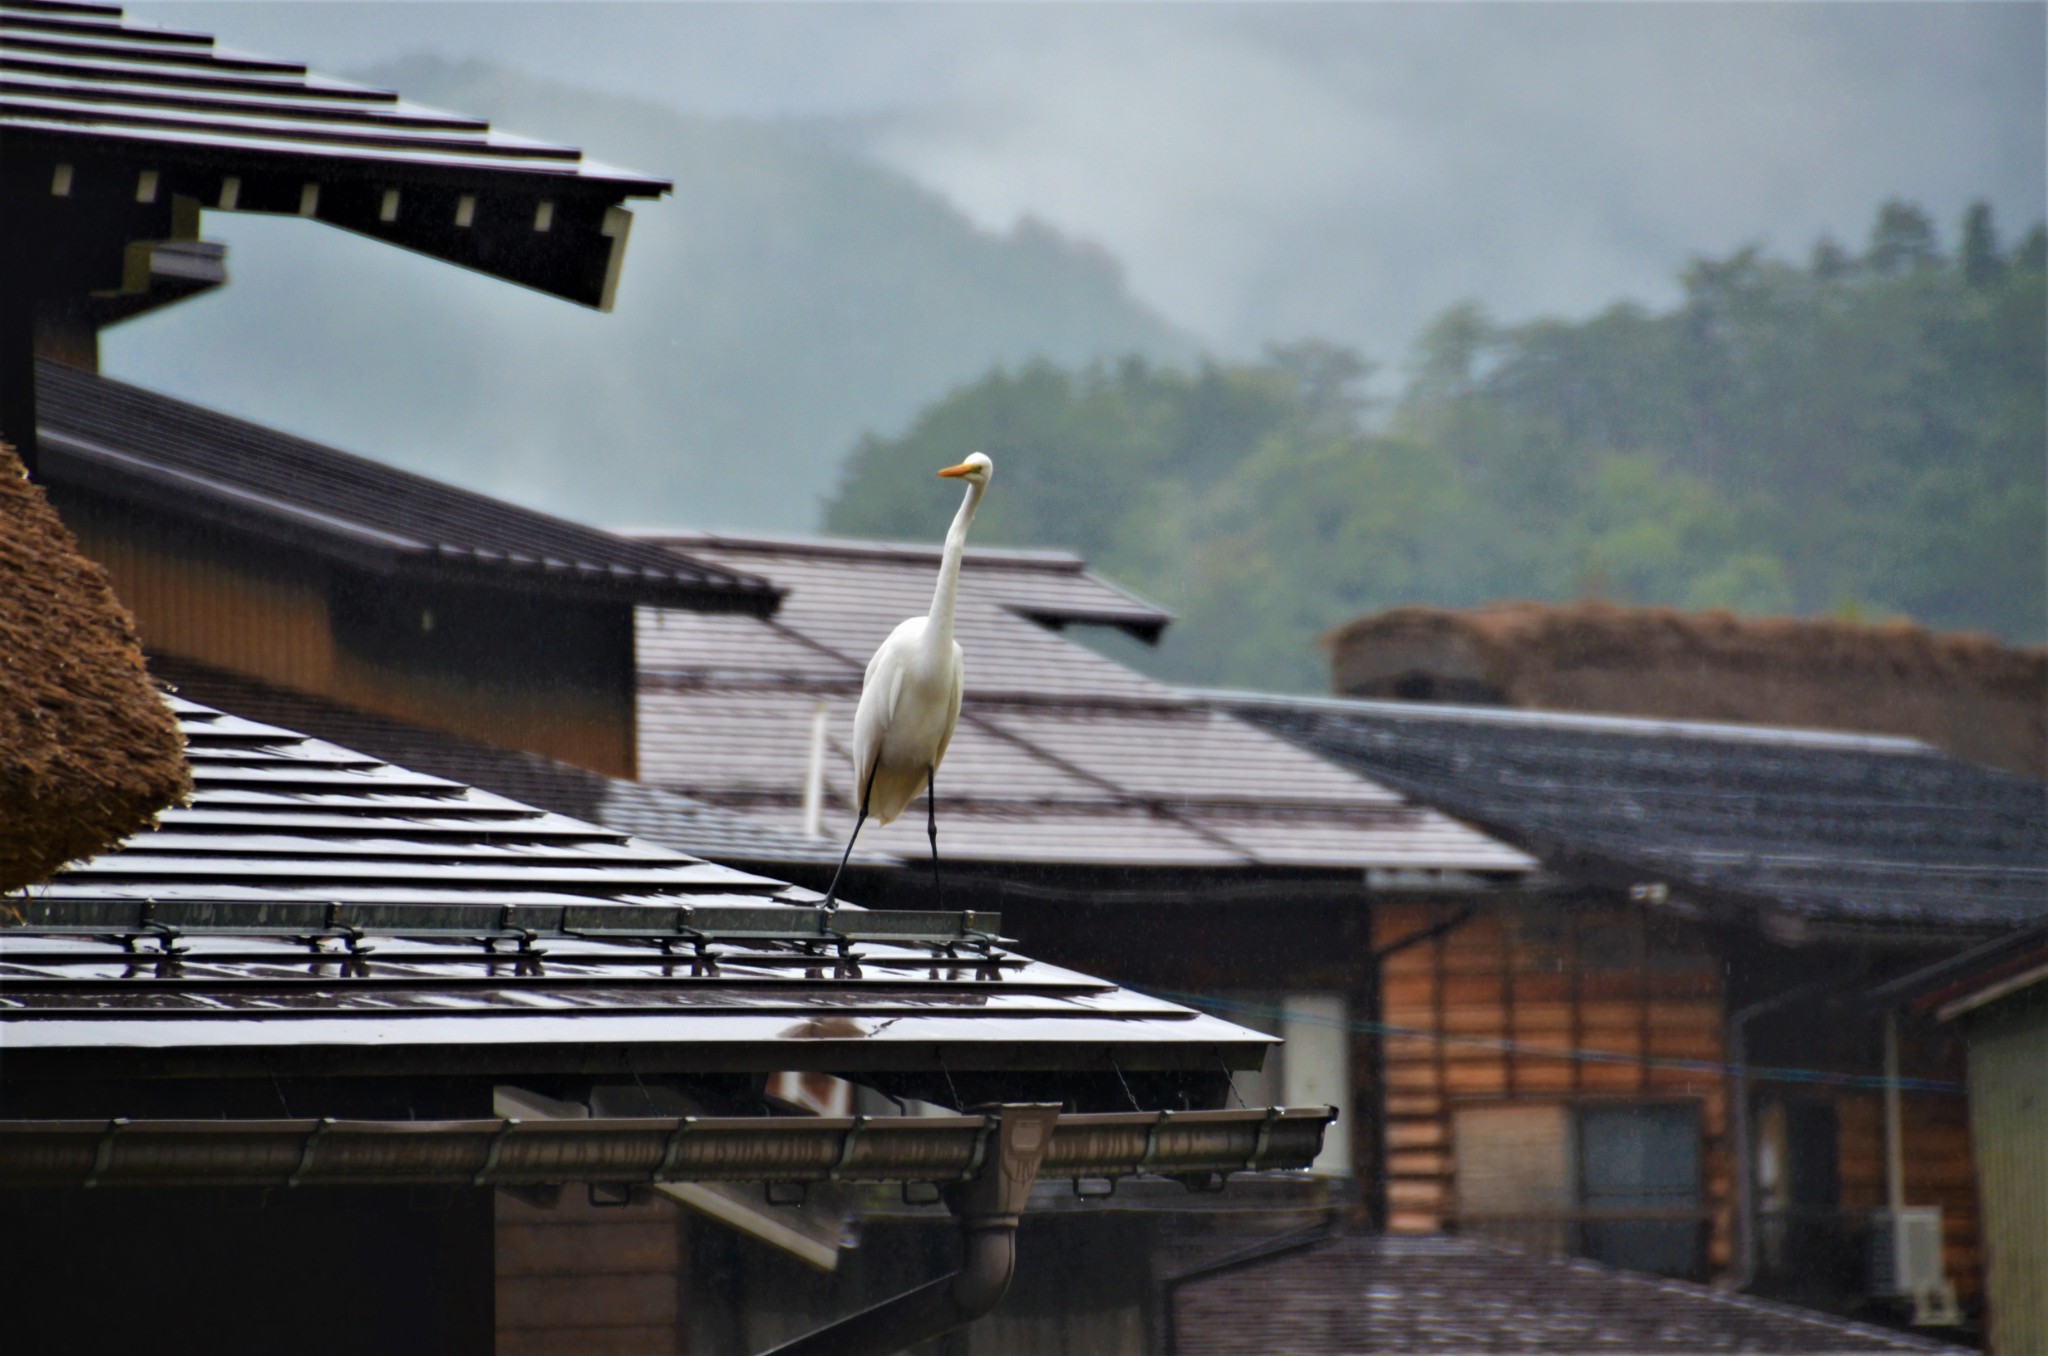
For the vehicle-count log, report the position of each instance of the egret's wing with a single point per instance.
(952, 705)
(881, 689)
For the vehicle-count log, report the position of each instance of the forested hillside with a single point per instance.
(1861, 433)
(788, 294)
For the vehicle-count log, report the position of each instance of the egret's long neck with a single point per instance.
(939, 630)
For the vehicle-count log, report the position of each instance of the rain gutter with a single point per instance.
(988, 1206)
(1202, 1148)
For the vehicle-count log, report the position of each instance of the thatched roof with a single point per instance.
(88, 751)
(1969, 694)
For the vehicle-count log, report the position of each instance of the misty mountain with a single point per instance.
(788, 297)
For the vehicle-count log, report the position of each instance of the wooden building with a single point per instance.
(1998, 994)
(309, 1063)
(273, 1063)
(1670, 1059)
(298, 565)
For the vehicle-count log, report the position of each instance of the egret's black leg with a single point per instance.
(832, 894)
(931, 828)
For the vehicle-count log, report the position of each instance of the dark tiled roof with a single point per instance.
(313, 899)
(165, 455)
(1433, 1296)
(1820, 826)
(139, 115)
(629, 807)
(1063, 757)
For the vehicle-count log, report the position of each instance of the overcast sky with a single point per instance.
(1273, 171)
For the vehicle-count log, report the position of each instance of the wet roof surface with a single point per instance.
(1820, 825)
(646, 812)
(1446, 1296)
(350, 903)
(1062, 757)
(184, 460)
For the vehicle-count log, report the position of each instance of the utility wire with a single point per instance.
(1759, 1073)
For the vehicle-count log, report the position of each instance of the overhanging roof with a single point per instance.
(1806, 825)
(139, 116)
(314, 907)
(163, 456)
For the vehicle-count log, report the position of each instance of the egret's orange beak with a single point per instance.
(962, 469)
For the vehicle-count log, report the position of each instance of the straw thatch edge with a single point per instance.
(89, 752)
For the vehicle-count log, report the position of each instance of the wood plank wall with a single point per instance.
(577, 1278)
(1940, 1166)
(1548, 977)
(274, 625)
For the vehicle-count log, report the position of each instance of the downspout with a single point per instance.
(1894, 1127)
(1738, 1121)
(988, 1207)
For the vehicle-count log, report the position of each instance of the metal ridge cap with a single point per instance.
(1201, 1145)
(599, 919)
(1569, 720)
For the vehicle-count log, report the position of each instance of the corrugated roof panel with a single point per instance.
(1834, 828)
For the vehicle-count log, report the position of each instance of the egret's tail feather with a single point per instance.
(893, 791)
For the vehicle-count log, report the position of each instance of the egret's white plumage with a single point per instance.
(910, 698)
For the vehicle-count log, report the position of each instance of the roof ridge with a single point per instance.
(328, 493)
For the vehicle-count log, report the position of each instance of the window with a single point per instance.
(1639, 1167)
(1616, 1182)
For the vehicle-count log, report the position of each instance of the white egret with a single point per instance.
(910, 698)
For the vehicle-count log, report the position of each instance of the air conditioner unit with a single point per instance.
(1905, 1263)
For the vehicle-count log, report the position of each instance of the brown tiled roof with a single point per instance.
(88, 753)
(1970, 694)
(1063, 757)
(1455, 1297)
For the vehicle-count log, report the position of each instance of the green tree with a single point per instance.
(1785, 439)
(1982, 266)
